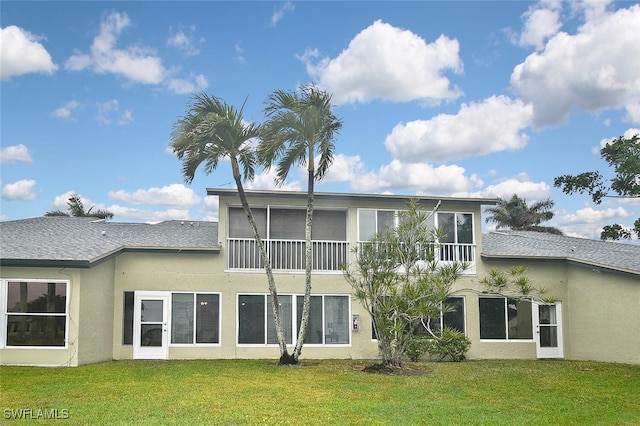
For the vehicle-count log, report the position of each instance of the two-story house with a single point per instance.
(76, 290)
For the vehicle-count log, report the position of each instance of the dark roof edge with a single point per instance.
(597, 267)
(87, 264)
(346, 196)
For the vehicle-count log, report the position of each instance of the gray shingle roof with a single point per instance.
(528, 244)
(84, 241)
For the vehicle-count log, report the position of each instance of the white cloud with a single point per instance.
(597, 68)
(136, 63)
(65, 111)
(629, 133)
(388, 63)
(21, 190)
(184, 42)
(540, 24)
(107, 110)
(278, 13)
(239, 53)
(181, 86)
(21, 53)
(493, 125)
(531, 191)
(421, 177)
(589, 215)
(174, 195)
(345, 168)
(149, 216)
(14, 154)
(266, 180)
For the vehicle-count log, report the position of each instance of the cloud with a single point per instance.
(15, 154)
(185, 43)
(266, 180)
(597, 68)
(65, 111)
(278, 13)
(182, 86)
(345, 168)
(21, 53)
(540, 24)
(239, 53)
(106, 111)
(389, 63)
(135, 63)
(524, 188)
(149, 216)
(425, 178)
(174, 195)
(21, 190)
(495, 124)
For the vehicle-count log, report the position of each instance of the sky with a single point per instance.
(464, 99)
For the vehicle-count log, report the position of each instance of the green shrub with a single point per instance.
(451, 345)
(417, 347)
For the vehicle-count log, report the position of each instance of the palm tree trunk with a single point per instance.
(285, 358)
(308, 252)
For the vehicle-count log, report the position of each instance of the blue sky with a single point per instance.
(481, 99)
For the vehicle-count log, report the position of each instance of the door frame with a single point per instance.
(147, 352)
(543, 352)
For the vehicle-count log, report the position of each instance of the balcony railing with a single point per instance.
(286, 255)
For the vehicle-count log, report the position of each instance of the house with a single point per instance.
(77, 290)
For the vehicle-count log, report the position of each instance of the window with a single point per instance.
(371, 222)
(453, 319)
(127, 317)
(328, 319)
(457, 242)
(36, 313)
(195, 318)
(505, 319)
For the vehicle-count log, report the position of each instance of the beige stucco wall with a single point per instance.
(95, 328)
(48, 357)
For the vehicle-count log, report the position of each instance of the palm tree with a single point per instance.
(211, 131)
(517, 215)
(76, 209)
(300, 126)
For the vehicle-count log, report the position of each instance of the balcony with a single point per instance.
(286, 255)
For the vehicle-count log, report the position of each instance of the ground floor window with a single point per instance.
(328, 319)
(35, 312)
(195, 318)
(504, 318)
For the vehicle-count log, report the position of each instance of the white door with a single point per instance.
(150, 325)
(548, 323)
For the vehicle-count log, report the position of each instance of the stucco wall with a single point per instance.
(95, 334)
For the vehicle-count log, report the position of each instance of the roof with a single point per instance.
(82, 242)
(347, 196)
(602, 255)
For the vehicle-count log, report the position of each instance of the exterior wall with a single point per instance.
(52, 357)
(603, 323)
(95, 328)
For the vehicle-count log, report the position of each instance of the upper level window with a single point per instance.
(371, 222)
(35, 313)
(458, 227)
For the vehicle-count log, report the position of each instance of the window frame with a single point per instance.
(455, 230)
(294, 320)
(5, 314)
(195, 295)
(505, 324)
(396, 220)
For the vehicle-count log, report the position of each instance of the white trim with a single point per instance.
(549, 352)
(161, 352)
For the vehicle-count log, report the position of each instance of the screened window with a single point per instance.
(458, 227)
(36, 313)
(328, 319)
(371, 222)
(505, 319)
(453, 319)
(195, 318)
(127, 317)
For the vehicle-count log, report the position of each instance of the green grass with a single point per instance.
(327, 392)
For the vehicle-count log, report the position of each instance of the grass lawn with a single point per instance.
(327, 392)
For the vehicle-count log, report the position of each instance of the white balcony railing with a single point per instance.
(286, 255)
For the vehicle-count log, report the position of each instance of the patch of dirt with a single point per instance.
(391, 371)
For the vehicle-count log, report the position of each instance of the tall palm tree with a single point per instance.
(76, 209)
(300, 127)
(517, 215)
(211, 131)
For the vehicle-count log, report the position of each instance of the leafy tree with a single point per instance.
(517, 215)
(514, 284)
(623, 154)
(76, 209)
(398, 280)
(300, 127)
(211, 131)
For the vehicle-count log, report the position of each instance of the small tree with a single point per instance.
(399, 282)
(516, 214)
(623, 154)
(514, 284)
(76, 208)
